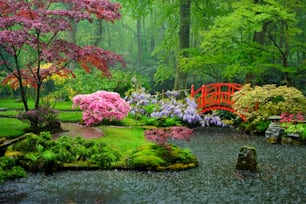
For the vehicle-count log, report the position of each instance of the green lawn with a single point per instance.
(123, 139)
(16, 104)
(63, 106)
(70, 116)
(11, 127)
(9, 113)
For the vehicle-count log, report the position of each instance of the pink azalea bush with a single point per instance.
(101, 105)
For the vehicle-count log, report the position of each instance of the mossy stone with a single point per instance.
(247, 159)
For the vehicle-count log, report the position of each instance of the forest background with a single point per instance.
(171, 44)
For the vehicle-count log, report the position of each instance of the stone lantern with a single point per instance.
(274, 131)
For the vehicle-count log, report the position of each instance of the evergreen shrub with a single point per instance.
(260, 102)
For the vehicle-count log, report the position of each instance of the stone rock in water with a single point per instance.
(247, 159)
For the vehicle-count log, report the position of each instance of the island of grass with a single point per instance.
(121, 147)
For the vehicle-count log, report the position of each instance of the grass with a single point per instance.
(9, 113)
(123, 139)
(16, 104)
(70, 116)
(131, 121)
(64, 106)
(11, 127)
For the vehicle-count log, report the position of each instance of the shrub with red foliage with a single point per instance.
(160, 136)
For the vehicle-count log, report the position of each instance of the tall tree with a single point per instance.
(202, 15)
(30, 30)
(184, 43)
(256, 36)
(138, 10)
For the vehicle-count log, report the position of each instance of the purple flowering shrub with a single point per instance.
(101, 105)
(166, 106)
(141, 103)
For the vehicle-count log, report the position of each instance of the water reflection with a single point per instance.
(282, 178)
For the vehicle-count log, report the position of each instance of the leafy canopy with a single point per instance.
(29, 34)
(230, 41)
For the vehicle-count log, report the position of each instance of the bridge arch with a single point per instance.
(216, 96)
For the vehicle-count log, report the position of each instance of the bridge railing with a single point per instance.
(215, 96)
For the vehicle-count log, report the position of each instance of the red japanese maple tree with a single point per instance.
(30, 30)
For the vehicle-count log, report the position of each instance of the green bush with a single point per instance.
(40, 151)
(84, 83)
(9, 170)
(298, 128)
(259, 103)
(157, 157)
(33, 142)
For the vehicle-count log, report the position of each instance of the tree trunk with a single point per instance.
(184, 43)
(23, 94)
(258, 37)
(139, 43)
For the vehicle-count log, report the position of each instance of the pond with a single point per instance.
(281, 179)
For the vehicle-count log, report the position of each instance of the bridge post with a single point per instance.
(192, 91)
(203, 96)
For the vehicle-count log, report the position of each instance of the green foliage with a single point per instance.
(231, 43)
(41, 151)
(69, 149)
(157, 157)
(103, 155)
(33, 142)
(150, 121)
(147, 157)
(161, 122)
(86, 83)
(295, 127)
(9, 170)
(259, 103)
(48, 156)
(121, 147)
(174, 121)
(304, 133)
(262, 126)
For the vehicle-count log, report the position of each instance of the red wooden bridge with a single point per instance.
(216, 96)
